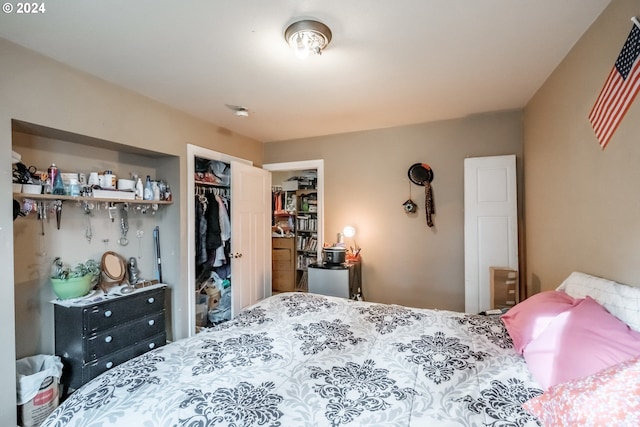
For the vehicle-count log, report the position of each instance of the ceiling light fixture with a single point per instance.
(238, 110)
(307, 36)
(242, 112)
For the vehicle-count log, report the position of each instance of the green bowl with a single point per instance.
(73, 287)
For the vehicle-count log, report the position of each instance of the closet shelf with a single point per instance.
(210, 184)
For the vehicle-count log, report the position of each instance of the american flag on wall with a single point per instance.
(619, 91)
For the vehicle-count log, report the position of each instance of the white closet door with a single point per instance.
(490, 224)
(250, 235)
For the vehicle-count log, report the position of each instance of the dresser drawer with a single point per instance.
(282, 276)
(93, 369)
(109, 314)
(283, 281)
(125, 335)
(282, 265)
(282, 243)
(282, 254)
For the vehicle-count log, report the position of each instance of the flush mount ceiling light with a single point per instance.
(307, 36)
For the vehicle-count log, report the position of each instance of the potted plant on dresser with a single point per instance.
(74, 282)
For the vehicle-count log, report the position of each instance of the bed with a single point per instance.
(301, 359)
(298, 359)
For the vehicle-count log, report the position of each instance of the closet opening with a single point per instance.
(228, 226)
(212, 193)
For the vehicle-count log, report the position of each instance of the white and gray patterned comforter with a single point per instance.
(299, 359)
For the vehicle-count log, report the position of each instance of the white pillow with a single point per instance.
(622, 301)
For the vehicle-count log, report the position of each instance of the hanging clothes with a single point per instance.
(201, 230)
(213, 227)
(278, 201)
(225, 222)
(225, 232)
(214, 241)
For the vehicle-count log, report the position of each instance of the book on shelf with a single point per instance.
(307, 223)
(303, 283)
(304, 260)
(307, 243)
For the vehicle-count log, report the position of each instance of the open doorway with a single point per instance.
(298, 221)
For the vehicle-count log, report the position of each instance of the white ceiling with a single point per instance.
(390, 63)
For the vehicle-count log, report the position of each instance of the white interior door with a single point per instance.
(250, 235)
(490, 224)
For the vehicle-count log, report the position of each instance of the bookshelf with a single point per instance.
(306, 232)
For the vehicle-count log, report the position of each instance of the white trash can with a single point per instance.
(37, 380)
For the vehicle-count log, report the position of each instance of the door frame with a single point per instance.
(186, 293)
(318, 165)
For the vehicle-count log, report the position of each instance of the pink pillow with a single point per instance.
(579, 342)
(610, 397)
(527, 320)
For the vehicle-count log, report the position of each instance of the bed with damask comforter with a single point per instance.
(299, 359)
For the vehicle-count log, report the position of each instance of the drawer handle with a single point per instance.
(108, 338)
(107, 313)
(152, 345)
(152, 322)
(109, 365)
(151, 300)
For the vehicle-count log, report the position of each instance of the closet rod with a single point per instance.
(220, 191)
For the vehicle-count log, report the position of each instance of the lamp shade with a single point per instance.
(349, 231)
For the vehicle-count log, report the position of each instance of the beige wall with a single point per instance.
(366, 183)
(37, 90)
(582, 203)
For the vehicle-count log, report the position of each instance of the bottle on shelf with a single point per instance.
(139, 189)
(52, 171)
(156, 190)
(58, 185)
(148, 189)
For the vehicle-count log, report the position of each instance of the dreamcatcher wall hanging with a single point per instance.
(422, 174)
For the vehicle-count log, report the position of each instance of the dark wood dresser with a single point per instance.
(95, 337)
